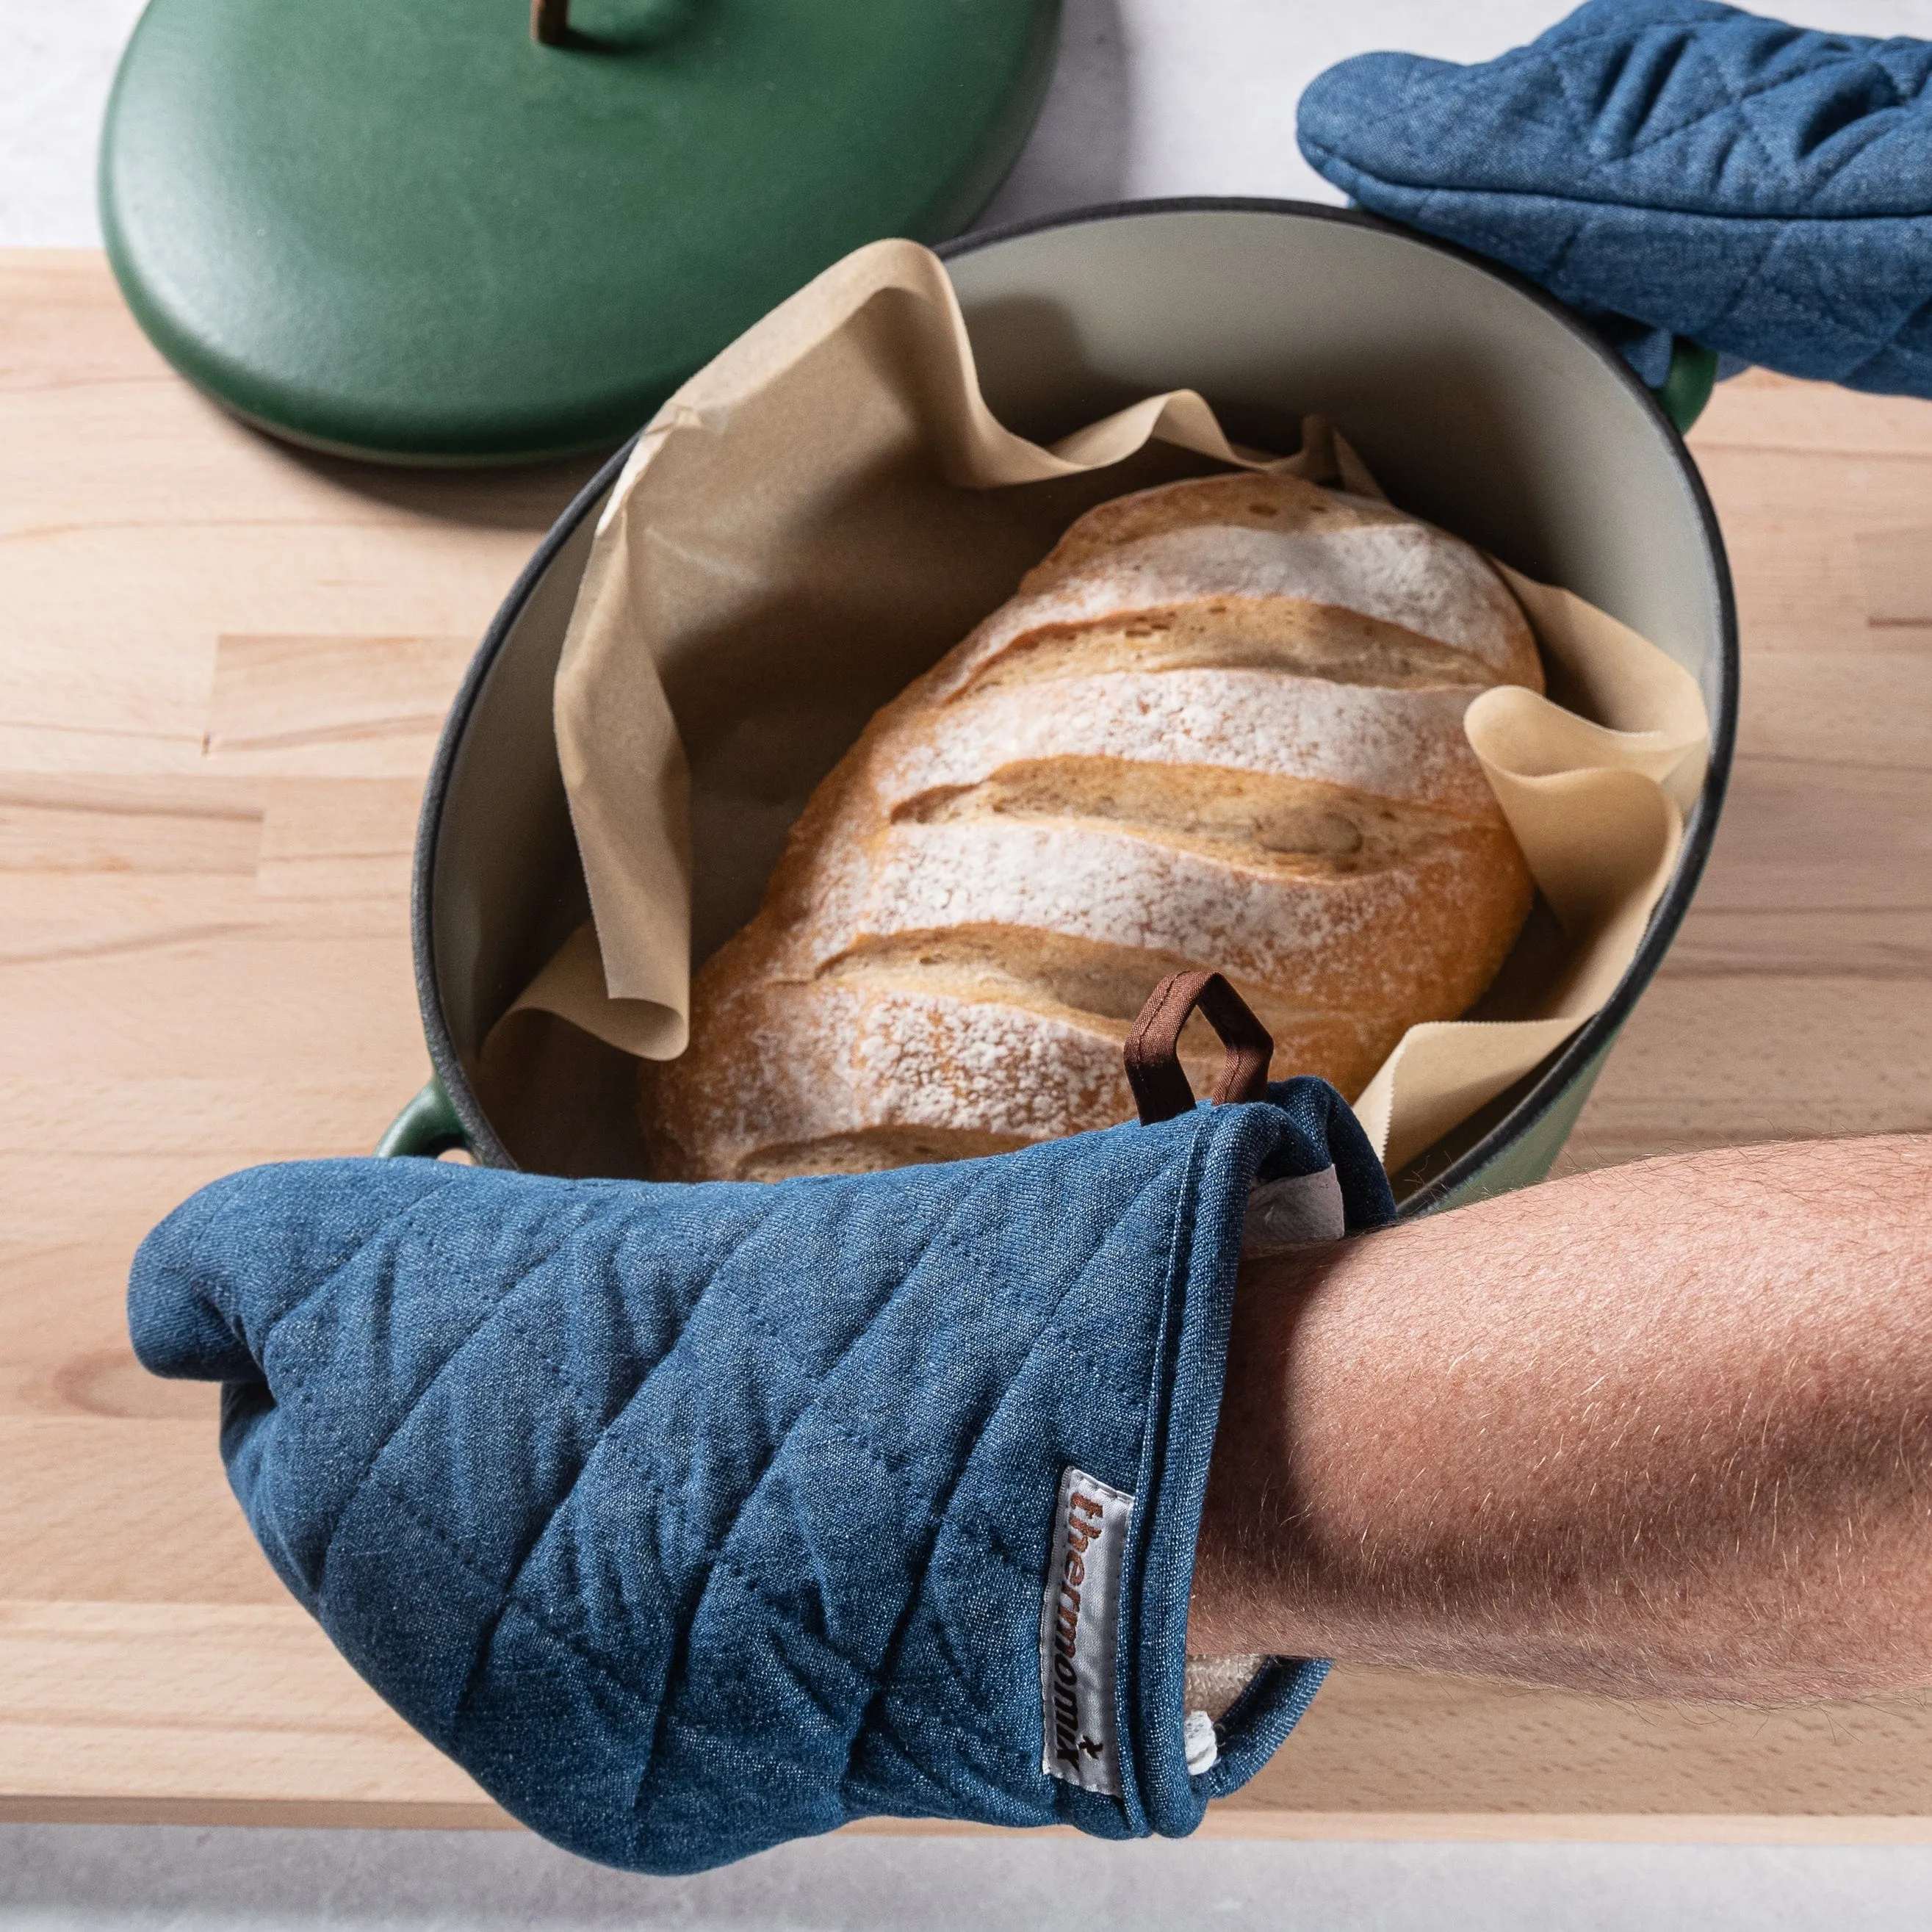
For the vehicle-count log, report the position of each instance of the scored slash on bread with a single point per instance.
(1219, 727)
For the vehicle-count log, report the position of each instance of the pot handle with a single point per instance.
(1161, 1089)
(425, 1128)
(1687, 387)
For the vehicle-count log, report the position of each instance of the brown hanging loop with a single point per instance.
(550, 22)
(1161, 1091)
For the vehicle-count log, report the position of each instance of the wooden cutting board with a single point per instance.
(222, 667)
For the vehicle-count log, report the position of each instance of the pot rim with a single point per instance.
(1570, 1060)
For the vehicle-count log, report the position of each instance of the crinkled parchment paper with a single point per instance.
(824, 512)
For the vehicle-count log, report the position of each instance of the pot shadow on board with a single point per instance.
(484, 495)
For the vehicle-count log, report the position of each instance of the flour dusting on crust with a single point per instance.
(1220, 726)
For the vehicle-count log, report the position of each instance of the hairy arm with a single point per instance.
(1665, 1429)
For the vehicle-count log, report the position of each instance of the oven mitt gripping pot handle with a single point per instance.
(691, 1519)
(1675, 167)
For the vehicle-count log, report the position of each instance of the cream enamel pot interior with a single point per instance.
(1478, 401)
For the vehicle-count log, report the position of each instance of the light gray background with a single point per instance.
(1152, 97)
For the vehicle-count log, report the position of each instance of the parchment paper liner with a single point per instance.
(824, 510)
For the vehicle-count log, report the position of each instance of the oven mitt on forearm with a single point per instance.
(1763, 189)
(690, 1519)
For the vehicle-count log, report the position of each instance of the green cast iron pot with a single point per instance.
(1478, 401)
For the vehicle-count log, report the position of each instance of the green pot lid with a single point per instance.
(407, 229)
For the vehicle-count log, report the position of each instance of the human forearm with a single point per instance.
(1665, 1428)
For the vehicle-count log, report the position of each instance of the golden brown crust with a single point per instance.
(1237, 501)
(1092, 791)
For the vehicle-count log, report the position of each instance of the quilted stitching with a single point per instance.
(724, 1542)
(1675, 161)
(514, 1596)
(1549, 57)
(451, 1365)
(601, 1440)
(1048, 1331)
(1915, 319)
(1734, 95)
(264, 1343)
(1426, 84)
(911, 1604)
(403, 1501)
(690, 1519)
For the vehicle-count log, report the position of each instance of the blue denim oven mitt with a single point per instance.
(693, 1519)
(1699, 171)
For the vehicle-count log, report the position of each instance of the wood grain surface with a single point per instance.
(222, 667)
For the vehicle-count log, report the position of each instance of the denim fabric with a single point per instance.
(693, 1519)
(1765, 190)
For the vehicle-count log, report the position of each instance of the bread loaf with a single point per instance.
(1220, 726)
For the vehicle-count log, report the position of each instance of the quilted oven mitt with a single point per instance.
(693, 1519)
(1692, 168)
